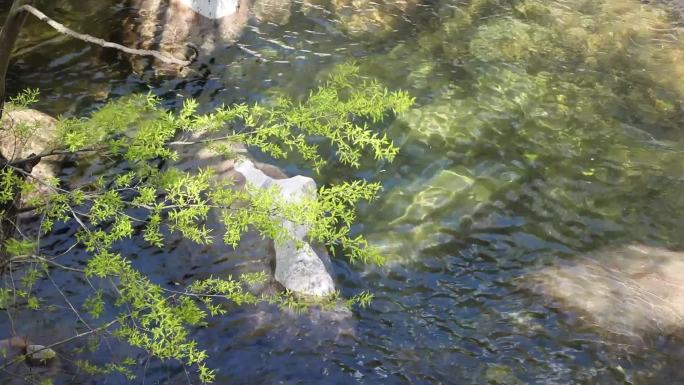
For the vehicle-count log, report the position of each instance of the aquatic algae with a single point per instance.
(613, 42)
(581, 100)
(514, 41)
(364, 18)
(440, 191)
(524, 61)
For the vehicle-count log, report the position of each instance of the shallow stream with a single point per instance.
(543, 130)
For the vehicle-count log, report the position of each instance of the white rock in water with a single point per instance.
(299, 269)
(213, 9)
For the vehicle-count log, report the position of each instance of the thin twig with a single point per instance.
(57, 152)
(210, 140)
(64, 341)
(66, 299)
(103, 43)
(46, 260)
(25, 51)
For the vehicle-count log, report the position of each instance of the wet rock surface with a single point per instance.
(632, 292)
(42, 139)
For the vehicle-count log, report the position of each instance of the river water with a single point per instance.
(542, 130)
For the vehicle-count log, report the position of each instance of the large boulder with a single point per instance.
(630, 292)
(16, 144)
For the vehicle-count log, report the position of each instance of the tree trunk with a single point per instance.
(8, 36)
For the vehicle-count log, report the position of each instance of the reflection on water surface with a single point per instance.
(543, 130)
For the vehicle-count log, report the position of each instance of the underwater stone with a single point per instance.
(12, 346)
(500, 375)
(299, 267)
(273, 11)
(630, 292)
(40, 353)
(364, 18)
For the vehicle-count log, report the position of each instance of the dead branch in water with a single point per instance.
(103, 43)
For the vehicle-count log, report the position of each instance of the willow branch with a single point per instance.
(103, 43)
(101, 148)
(56, 153)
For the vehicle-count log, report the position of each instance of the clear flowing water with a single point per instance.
(542, 130)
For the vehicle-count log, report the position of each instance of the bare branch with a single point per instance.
(30, 258)
(103, 43)
(77, 336)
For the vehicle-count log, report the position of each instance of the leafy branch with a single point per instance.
(139, 131)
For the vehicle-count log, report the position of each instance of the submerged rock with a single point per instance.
(273, 11)
(39, 353)
(428, 211)
(317, 325)
(13, 347)
(10, 347)
(363, 18)
(631, 292)
(501, 375)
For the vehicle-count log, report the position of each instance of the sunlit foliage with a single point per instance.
(138, 130)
